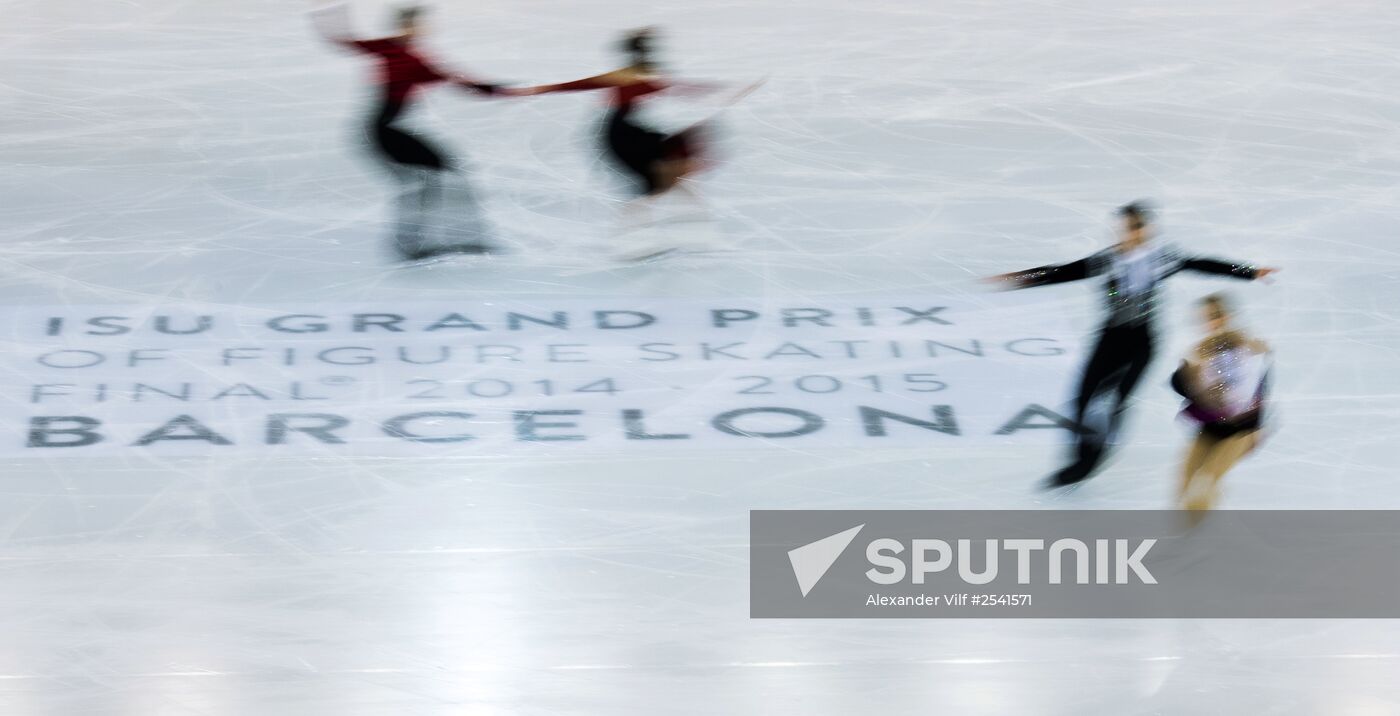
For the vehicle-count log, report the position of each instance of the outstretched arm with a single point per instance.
(1201, 264)
(690, 88)
(603, 81)
(486, 88)
(1046, 275)
(471, 83)
(332, 22)
(693, 88)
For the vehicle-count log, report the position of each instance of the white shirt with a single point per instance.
(1136, 271)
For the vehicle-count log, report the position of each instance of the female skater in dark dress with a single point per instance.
(421, 168)
(1133, 270)
(1224, 379)
(658, 162)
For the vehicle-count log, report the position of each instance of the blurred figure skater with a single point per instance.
(421, 169)
(1224, 379)
(1134, 268)
(656, 161)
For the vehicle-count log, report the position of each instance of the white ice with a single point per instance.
(170, 152)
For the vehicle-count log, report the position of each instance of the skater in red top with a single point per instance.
(420, 167)
(658, 161)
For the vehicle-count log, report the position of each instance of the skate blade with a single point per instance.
(447, 255)
(648, 257)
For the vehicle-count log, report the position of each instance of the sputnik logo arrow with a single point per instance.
(811, 561)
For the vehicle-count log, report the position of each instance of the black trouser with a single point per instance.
(1117, 365)
(397, 146)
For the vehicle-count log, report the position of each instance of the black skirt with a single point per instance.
(639, 149)
(1246, 422)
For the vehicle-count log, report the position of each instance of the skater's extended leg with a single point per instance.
(1119, 359)
(411, 220)
(1103, 363)
(464, 221)
(1191, 467)
(419, 168)
(1220, 460)
(1139, 355)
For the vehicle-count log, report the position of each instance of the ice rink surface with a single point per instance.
(173, 153)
